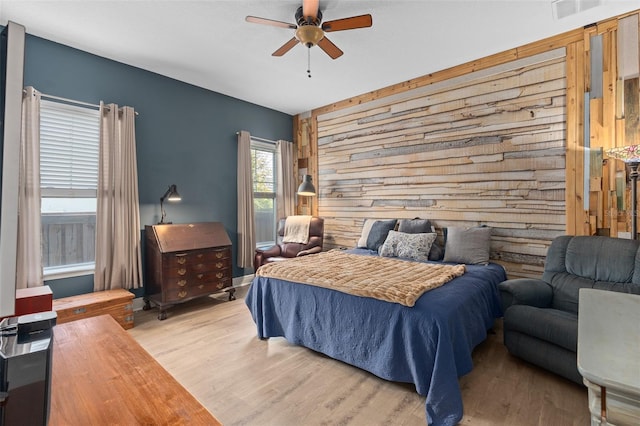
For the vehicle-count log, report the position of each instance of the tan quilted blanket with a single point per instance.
(391, 280)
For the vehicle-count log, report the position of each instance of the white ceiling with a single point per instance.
(209, 44)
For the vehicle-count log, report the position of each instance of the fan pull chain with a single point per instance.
(309, 62)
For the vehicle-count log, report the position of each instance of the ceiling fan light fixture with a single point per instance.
(308, 19)
(309, 32)
(309, 35)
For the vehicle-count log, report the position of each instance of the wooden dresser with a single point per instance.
(185, 261)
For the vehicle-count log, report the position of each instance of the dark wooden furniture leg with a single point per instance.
(232, 293)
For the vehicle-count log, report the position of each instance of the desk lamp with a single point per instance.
(170, 195)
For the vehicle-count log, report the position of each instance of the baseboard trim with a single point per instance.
(242, 281)
(138, 303)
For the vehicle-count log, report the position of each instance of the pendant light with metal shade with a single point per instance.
(306, 188)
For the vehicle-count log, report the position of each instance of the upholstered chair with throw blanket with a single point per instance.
(293, 240)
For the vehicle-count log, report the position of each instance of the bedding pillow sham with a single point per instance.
(378, 234)
(409, 246)
(414, 226)
(468, 245)
(420, 226)
(366, 228)
(437, 251)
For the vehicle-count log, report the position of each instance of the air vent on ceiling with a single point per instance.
(564, 8)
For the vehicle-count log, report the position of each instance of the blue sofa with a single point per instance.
(541, 315)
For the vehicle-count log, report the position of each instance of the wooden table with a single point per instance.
(101, 375)
(609, 354)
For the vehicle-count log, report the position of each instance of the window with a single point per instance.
(263, 167)
(69, 152)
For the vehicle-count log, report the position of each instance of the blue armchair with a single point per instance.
(541, 315)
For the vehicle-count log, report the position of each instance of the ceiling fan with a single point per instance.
(310, 32)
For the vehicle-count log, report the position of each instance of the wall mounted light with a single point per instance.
(306, 188)
(171, 195)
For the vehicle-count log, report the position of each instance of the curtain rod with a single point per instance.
(72, 101)
(58, 98)
(260, 139)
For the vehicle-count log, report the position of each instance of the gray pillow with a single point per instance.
(468, 245)
(437, 251)
(414, 226)
(379, 232)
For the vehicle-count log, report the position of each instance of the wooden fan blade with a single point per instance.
(310, 8)
(273, 23)
(330, 48)
(286, 47)
(362, 21)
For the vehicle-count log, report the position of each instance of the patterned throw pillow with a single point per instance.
(408, 246)
(422, 226)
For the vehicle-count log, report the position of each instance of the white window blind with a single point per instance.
(263, 163)
(69, 150)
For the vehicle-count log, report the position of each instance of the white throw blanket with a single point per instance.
(296, 229)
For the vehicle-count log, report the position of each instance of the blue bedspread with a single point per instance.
(428, 345)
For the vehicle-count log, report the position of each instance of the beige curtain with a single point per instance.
(118, 261)
(29, 262)
(246, 227)
(286, 189)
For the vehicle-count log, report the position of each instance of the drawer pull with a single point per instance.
(79, 311)
(200, 255)
(200, 276)
(182, 293)
(219, 275)
(182, 283)
(201, 286)
(219, 286)
(199, 266)
(219, 254)
(182, 271)
(182, 260)
(219, 265)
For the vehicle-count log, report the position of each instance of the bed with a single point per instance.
(429, 344)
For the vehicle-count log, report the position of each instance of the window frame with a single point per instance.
(270, 147)
(84, 187)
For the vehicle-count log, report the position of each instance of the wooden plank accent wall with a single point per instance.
(499, 141)
(304, 133)
(487, 148)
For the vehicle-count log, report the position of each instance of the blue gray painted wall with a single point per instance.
(185, 135)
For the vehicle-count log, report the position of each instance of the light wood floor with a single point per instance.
(210, 346)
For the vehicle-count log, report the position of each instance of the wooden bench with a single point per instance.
(117, 303)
